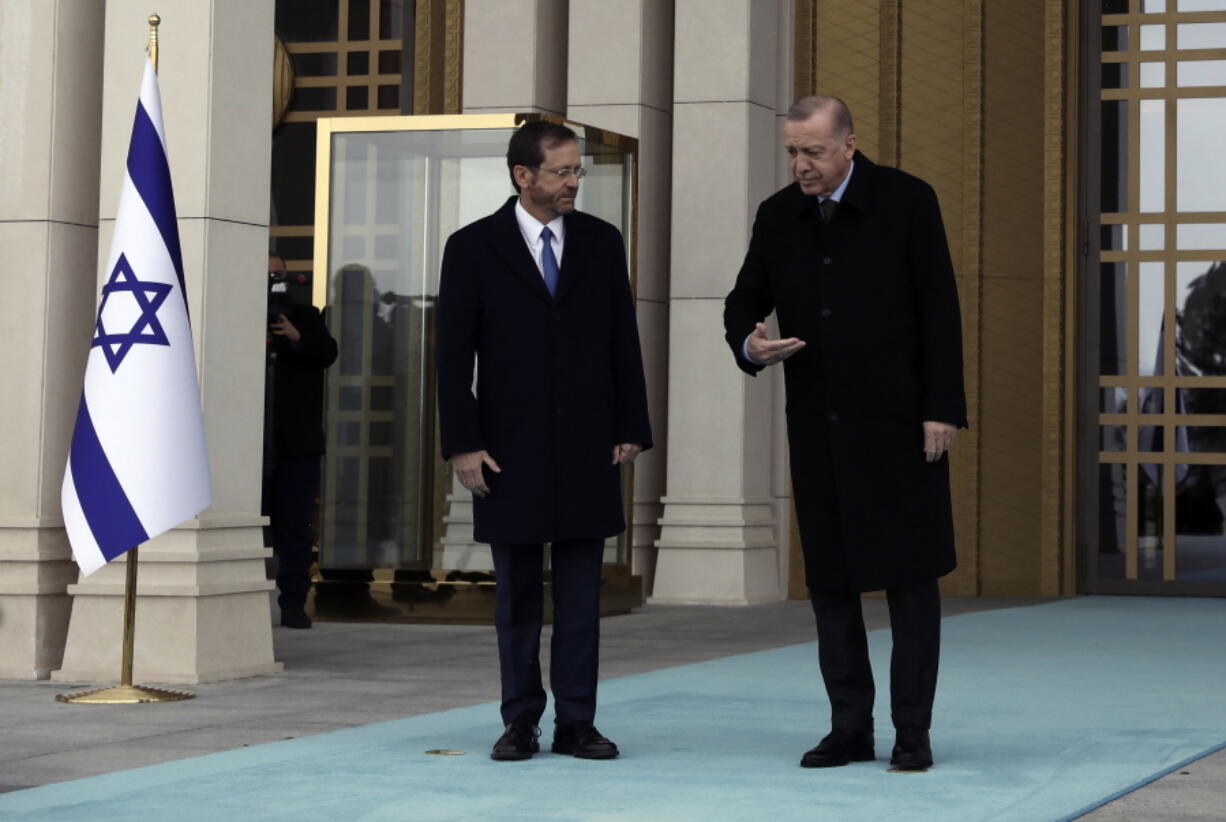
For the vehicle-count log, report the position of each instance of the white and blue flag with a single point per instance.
(138, 464)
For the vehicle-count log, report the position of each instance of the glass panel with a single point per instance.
(359, 63)
(1150, 437)
(1149, 401)
(1114, 170)
(391, 19)
(1153, 75)
(357, 98)
(307, 21)
(389, 98)
(1149, 336)
(1200, 290)
(1202, 72)
(1149, 522)
(389, 62)
(1201, 175)
(314, 99)
(1153, 38)
(1115, 6)
(1200, 548)
(1201, 35)
(1200, 439)
(395, 198)
(1203, 400)
(1153, 155)
(1111, 438)
(1202, 5)
(1200, 236)
(1112, 400)
(1113, 319)
(1152, 237)
(322, 64)
(359, 19)
(1115, 38)
(1111, 521)
(1153, 6)
(1115, 237)
(1115, 75)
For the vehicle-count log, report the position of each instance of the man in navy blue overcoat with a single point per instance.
(537, 298)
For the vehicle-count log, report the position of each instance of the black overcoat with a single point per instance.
(559, 381)
(873, 296)
(295, 402)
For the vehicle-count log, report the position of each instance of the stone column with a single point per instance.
(620, 77)
(515, 56)
(203, 607)
(51, 59)
(720, 532)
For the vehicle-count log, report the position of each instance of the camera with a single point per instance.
(280, 301)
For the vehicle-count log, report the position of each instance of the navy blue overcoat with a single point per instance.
(559, 381)
(872, 294)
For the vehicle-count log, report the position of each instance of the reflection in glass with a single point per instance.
(1114, 156)
(1151, 237)
(1201, 175)
(1149, 522)
(1113, 319)
(1111, 438)
(1112, 400)
(1201, 72)
(1153, 38)
(1150, 305)
(1202, 5)
(1200, 547)
(1153, 155)
(1153, 75)
(1111, 521)
(1201, 35)
(1153, 6)
(1200, 346)
(1200, 236)
(1115, 75)
(1115, 237)
(1150, 437)
(1115, 38)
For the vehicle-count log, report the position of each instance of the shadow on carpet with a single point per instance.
(1042, 713)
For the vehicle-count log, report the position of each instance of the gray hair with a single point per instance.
(806, 107)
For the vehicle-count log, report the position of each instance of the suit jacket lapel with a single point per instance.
(574, 255)
(508, 241)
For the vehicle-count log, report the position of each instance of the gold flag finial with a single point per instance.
(154, 22)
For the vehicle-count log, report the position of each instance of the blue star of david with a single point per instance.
(147, 330)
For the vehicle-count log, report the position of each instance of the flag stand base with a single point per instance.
(123, 695)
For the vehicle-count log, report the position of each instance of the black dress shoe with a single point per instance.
(582, 740)
(912, 750)
(518, 741)
(838, 748)
(295, 619)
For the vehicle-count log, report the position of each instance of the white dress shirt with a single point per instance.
(531, 229)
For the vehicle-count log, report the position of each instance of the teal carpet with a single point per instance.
(1042, 713)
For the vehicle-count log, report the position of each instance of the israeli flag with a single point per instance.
(138, 464)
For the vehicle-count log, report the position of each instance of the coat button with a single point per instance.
(826, 312)
(833, 417)
(826, 261)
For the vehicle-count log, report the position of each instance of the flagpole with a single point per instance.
(126, 693)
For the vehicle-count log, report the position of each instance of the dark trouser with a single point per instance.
(915, 622)
(291, 496)
(519, 614)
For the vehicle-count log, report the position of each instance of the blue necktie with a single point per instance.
(549, 263)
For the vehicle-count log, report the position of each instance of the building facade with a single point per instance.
(1070, 143)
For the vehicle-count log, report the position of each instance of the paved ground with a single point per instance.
(341, 675)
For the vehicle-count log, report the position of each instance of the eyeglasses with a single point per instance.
(578, 172)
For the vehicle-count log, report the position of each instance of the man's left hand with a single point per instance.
(938, 438)
(282, 327)
(625, 452)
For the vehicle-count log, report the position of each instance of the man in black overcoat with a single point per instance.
(299, 349)
(538, 295)
(853, 260)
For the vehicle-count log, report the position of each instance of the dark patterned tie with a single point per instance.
(827, 207)
(549, 263)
